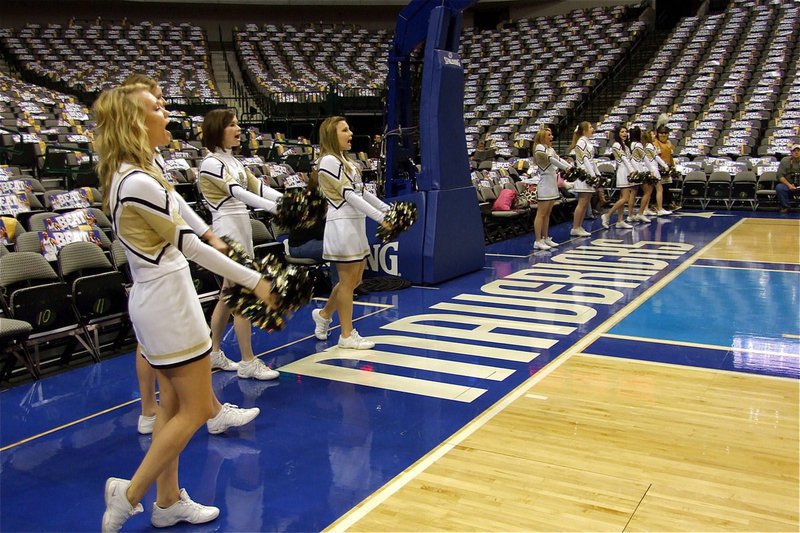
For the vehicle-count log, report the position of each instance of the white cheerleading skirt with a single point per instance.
(345, 240)
(168, 319)
(547, 188)
(622, 177)
(581, 186)
(237, 227)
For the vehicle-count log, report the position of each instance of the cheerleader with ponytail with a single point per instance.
(625, 169)
(584, 158)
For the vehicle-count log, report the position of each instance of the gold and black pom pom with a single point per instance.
(300, 207)
(576, 173)
(648, 178)
(292, 285)
(399, 217)
(636, 178)
(676, 174)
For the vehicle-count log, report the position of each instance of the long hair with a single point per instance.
(580, 131)
(214, 125)
(329, 139)
(121, 135)
(635, 134)
(541, 136)
(618, 137)
(649, 136)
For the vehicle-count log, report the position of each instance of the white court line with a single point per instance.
(426, 288)
(353, 516)
(365, 304)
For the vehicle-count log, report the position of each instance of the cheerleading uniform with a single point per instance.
(192, 219)
(624, 166)
(584, 155)
(637, 157)
(349, 204)
(547, 160)
(228, 188)
(653, 160)
(146, 217)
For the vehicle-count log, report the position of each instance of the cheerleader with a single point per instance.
(345, 239)
(228, 188)
(227, 415)
(163, 305)
(584, 156)
(638, 160)
(547, 191)
(625, 168)
(653, 162)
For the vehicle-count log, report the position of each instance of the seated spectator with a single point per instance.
(788, 177)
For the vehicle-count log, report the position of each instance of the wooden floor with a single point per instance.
(609, 444)
(612, 444)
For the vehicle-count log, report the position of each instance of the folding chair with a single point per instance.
(765, 190)
(693, 189)
(98, 291)
(13, 334)
(743, 188)
(33, 292)
(718, 189)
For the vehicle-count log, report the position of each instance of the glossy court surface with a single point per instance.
(635, 380)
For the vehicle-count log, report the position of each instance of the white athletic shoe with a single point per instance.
(184, 510)
(663, 213)
(623, 225)
(642, 218)
(321, 325)
(218, 360)
(256, 369)
(355, 342)
(231, 416)
(541, 245)
(579, 232)
(649, 212)
(146, 424)
(118, 508)
(604, 220)
(550, 242)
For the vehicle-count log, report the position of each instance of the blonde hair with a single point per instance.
(136, 78)
(580, 130)
(541, 136)
(121, 135)
(329, 139)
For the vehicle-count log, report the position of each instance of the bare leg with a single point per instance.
(645, 203)
(580, 209)
(147, 384)
(219, 321)
(190, 387)
(659, 197)
(349, 278)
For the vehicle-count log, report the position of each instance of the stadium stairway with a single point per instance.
(620, 82)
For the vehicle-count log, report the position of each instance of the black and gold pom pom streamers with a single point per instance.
(576, 173)
(636, 178)
(648, 178)
(300, 207)
(676, 174)
(292, 285)
(399, 217)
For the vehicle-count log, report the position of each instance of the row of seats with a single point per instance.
(728, 82)
(88, 59)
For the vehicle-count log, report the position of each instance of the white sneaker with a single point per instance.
(642, 218)
(663, 213)
(231, 416)
(579, 232)
(146, 424)
(256, 369)
(622, 225)
(355, 342)
(631, 220)
(604, 220)
(184, 510)
(218, 360)
(541, 245)
(321, 325)
(649, 212)
(118, 508)
(550, 242)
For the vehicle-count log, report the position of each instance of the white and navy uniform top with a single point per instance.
(637, 157)
(584, 156)
(548, 161)
(653, 160)
(349, 204)
(229, 188)
(163, 304)
(622, 155)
